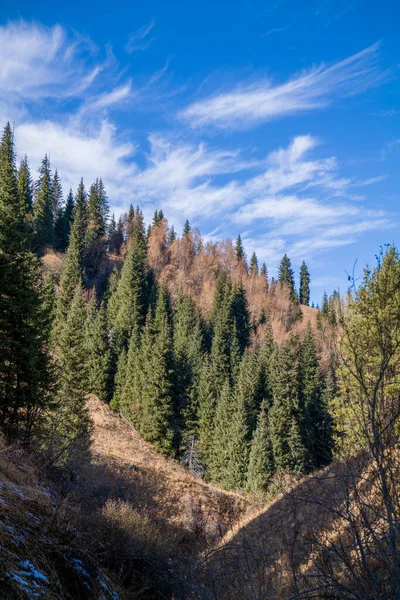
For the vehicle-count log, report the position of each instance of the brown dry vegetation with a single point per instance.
(189, 265)
(131, 516)
(138, 525)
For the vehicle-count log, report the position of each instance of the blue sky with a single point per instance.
(279, 120)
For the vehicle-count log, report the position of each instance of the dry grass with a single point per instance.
(161, 485)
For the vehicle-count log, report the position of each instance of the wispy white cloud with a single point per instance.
(40, 62)
(295, 198)
(275, 30)
(137, 40)
(262, 100)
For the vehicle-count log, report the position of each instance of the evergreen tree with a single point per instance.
(254, 264)
(156, 398)
(128, 304)
(263, 271)
(25, 366)
(261, 461)
(57, 196)
(63, 222)
(304, 285)
(25, 187)
(218, 454)
(284, 415)
(325, 305)
(43, 209)
(95, 239)
(119, 381)
(98, 353)
(112, 232)
(316, 426)
(241, 315)
(71, 418)
(72, 347)
(48, 294)
(171, 236)
(188, 353)
(129, 382)
(186, 228)
(239, 249)
(130, 222)
(286, 277)
(72, 273)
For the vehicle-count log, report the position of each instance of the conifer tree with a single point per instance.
(241, 315)
(25, 187)
(238, 444)
(128, 393)
(128, 304)
(254, 264)
(25, 366)
(48, 294)
(98, 353)
(286, 277)
(171, 235)
(157, 402)
(239, 249)
(72, 273)
(71, 417)
(263, 270)
(186, 228)
(57, 195)
(325, 305)
(304, 296)
(119, 381)
(130, 222)
(72, 347)
(63, 222)
(43, 209)
(217, 457)
(261, 460)
(188, 354)
(316, 423)
(95, 239)
(98, 207)
(112, 232)
(284, 414)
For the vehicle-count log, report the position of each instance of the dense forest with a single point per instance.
(226, 370)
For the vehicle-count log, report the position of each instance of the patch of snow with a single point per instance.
(106, 585)
(18, 491)
(33, 571)
(79, 568)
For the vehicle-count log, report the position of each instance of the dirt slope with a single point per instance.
(162, 485)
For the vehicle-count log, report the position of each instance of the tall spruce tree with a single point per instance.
(98, 352)
(63, 222)
(25, 187)
(72, 273)
(95, 239)
(304, 295)
(316, 425)
(217, 457)
(261, 460)
(43, 215)
(188, 354)
(25, 365)
(71, 419)
(241, 315)
(128, 304)
(286, 277)
(284, 415)
(254, 264)
(186, 228)
(239, 249)
(157, 397)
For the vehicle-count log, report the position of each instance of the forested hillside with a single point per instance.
(218, 366)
